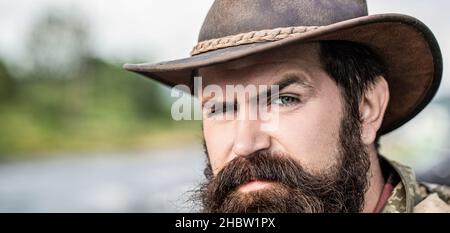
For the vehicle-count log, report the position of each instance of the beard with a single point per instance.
(292, 188)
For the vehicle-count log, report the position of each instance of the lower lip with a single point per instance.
(254, 186)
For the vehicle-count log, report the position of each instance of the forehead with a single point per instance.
(266, 68)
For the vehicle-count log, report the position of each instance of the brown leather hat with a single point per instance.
(234, 29)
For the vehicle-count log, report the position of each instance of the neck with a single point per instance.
(376, 182)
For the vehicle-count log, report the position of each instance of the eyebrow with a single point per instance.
(287, 80)
(293, 78)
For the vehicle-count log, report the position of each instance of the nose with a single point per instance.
(249, 137)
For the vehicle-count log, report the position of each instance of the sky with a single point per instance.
(156, 30)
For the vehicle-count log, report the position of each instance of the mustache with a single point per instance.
(267, 166)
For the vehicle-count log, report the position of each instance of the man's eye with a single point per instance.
(285, 100)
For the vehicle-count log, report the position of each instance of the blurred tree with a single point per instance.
(68, 98)
(148, 101)
(59, 44)
(59, 48)
(7, 85)
(110, 82)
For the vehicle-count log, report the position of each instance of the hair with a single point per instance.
(355, 68)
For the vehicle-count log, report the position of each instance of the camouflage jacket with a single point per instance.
(410, 196)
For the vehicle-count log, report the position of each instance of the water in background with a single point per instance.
(144, 181)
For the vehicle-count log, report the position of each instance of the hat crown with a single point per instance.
(231, 17)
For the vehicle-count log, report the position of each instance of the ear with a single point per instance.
(372, 108)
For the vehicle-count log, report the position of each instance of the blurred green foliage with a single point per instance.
(105, 108)
(64, 98)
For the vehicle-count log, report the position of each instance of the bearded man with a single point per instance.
(343, 79)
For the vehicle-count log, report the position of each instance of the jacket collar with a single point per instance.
(403, 198)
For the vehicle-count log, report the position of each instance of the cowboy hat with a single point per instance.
(234, 29)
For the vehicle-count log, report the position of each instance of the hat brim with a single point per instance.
(408, 48)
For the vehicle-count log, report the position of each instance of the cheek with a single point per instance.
(311, 134)
(218, 146)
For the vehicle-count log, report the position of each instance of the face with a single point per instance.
(309, 111)
(308, 152)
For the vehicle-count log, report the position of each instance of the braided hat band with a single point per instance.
(251, 37)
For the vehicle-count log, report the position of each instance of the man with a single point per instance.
(342, 79)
